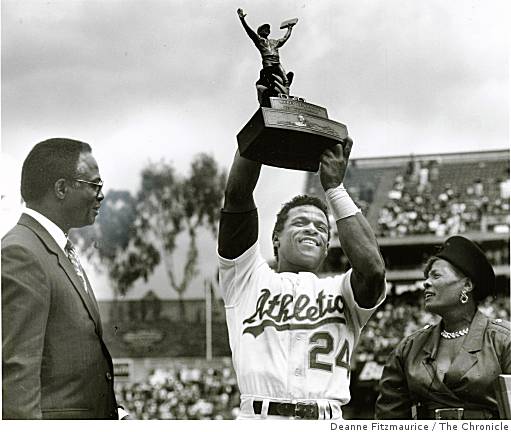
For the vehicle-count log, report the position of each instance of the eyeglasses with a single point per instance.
(98, 185)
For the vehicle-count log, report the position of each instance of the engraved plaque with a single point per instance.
(304, 122)
(288, 139)
(297, 105)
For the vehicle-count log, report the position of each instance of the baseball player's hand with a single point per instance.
(241, 14)
(333, 164)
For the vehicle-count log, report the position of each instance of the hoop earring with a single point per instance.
(463, 297)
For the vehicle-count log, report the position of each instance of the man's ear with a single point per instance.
(60, 188)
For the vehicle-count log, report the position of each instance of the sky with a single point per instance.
(144, 80)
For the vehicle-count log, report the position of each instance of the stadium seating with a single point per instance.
(182, 393)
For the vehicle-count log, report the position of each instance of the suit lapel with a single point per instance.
(441, 390)
(429, 350)
(94, 304)
(88, 301)
(467, 356)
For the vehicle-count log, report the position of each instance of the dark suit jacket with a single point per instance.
(409, 376)
(55, 364)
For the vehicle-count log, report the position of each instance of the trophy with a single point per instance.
(285, 131)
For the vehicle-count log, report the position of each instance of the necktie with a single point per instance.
(73, 257)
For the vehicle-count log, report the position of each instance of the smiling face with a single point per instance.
(443, 287)
(302, 244)
(83, 200)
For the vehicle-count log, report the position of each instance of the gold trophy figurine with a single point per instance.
(285, 131)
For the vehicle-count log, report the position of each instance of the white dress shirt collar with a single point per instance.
(57, 234)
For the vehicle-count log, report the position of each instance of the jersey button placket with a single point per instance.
(297, 354)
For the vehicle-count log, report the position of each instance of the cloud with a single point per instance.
(101, 59)
(143, 80)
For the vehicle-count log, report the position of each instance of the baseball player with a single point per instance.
(269, 48)
(292, 334)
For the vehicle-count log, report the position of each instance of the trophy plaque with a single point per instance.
(290, 134)
(285, 131)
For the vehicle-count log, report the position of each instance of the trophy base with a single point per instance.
(292, 134)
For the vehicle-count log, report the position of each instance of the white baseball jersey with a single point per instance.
(291, 334)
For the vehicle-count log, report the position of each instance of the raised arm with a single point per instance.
(284, 39)
(251, 33)
(241, 183)
(238, 223)
(355, 235)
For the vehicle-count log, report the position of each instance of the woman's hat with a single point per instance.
(467, 257)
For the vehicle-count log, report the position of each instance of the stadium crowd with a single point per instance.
(413, 208)
(182, 393)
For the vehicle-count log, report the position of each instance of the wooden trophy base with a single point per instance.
(291, 134)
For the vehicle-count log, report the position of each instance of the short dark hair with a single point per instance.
(47, 162)
(299, 200)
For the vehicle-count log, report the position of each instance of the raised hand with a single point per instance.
(333, 164)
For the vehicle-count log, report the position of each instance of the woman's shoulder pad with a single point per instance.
(418, 332)
(500, 324)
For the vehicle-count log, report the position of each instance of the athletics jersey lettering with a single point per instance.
(277, 311)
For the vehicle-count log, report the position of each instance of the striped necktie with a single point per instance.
(73, 257)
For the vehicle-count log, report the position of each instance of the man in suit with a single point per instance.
(55, 364)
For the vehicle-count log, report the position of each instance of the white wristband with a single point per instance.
(340, 202)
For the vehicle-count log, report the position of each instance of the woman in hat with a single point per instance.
(448, 370)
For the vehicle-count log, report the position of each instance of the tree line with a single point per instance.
(136, 232)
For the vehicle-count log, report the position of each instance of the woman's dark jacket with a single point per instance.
(410, 386)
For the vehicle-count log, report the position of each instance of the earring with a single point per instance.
(463, 297)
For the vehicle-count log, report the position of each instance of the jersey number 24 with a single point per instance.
(324, 344)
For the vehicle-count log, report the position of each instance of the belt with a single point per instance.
(300, 410)
(454, 414)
